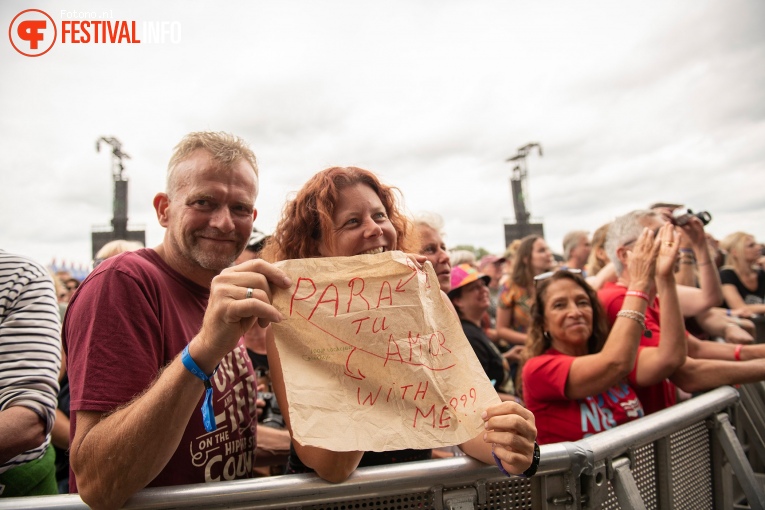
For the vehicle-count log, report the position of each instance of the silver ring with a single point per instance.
(249, 293)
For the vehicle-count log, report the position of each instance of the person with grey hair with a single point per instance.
(429, 229)
(576, 249)
(708, 364)
(148, 330)
(457, 257)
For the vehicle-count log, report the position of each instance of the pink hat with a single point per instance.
(489, 259)
(465, 274)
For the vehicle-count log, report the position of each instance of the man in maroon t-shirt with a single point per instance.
(708, 364)
(152, 337)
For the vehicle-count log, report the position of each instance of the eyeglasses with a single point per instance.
(544, 276)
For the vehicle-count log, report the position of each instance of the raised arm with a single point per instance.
(655, 364)
(595, 373)
(710, 292)
(108, 453)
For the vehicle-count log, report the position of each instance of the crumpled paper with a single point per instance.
(373, 359)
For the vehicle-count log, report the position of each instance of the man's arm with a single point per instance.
(704, 374)
(709, 278)
(716, 323)
(21, 429)
(108, 453)
(29, 330)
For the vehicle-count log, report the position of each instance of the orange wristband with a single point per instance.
(737, 352)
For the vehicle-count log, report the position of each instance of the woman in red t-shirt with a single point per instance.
(574, 375)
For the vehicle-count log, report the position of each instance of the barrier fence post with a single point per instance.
(725, 434)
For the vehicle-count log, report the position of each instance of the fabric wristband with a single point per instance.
(737, 352)
(638, 293)
(208, 415)
(526, 474)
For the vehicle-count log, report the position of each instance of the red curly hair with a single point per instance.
(308, 218)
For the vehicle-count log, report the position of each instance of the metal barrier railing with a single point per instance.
(682, 457)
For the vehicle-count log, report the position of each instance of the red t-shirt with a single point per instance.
(561, 419)
(656, 397)
(131, 317)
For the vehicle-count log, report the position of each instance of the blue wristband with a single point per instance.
(208, 415)
(526, 474)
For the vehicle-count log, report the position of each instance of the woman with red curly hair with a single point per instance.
(344, 212)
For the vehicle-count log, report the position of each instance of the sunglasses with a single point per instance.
(544, 276)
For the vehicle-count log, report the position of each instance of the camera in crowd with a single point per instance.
(272, 415)
(682, 216)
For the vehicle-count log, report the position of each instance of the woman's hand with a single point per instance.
(669, 247)
(641, 260)
(511, 430)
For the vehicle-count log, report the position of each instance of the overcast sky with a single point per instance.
(632, 102)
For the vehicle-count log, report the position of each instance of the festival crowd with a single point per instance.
(116, 383)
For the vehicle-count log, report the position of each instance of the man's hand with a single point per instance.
(694, 232)
(239, 296)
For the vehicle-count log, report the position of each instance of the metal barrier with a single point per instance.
(683, 457)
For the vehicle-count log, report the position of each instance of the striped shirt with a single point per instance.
(30, 344)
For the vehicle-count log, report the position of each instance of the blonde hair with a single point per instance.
(116, 247)
(733, 245)
(224, 148)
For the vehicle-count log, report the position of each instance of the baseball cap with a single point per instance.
(489, 259)
(464, 274)
(257, 240)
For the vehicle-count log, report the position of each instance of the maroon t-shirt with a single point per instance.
(658, 396)
(131, 317)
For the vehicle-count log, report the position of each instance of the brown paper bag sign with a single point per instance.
(373, 359)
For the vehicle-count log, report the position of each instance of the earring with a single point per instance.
(547, 336)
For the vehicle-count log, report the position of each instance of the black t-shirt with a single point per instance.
(750, 297)
(487, 353)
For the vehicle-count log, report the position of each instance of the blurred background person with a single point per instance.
(457, 257)
(576, 250)
(470, 296)
(507, 267)
(491, 266)
(115, 247)
(743, 282)
(429, 228)
(514, 307)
